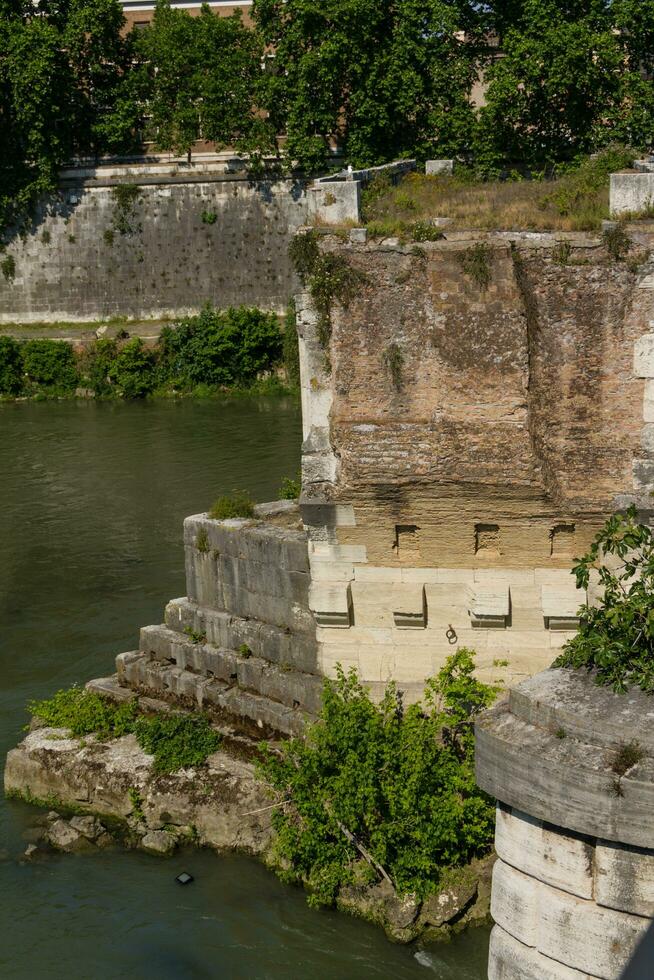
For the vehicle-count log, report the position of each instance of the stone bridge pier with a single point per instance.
(572, 767)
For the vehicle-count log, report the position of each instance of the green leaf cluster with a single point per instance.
(616, 636)
(176, 741)
(213, 350)
(238, 503)
(399, 779)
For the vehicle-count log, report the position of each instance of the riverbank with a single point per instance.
(238, 349)
(100, 792)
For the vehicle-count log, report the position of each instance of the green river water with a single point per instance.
(92, 498)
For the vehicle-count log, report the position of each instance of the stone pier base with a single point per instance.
(573, 888)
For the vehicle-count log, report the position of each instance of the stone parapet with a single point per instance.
(570, 764)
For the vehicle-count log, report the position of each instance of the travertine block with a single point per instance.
(624, 878)
(561, 860)
(527, 607)
(448, 605)
(554, 576)
(584, 935)
(321, 551)
(490, 606)
(514, 903)
(332, 571)
(644, 356)
(648, 402)
(374, 573)
(510, 959)
(331, 604)
(513, 576)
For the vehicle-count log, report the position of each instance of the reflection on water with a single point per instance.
(92, 502)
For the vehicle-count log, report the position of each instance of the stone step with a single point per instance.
(166, 681)
(223, 629)
(282, 683)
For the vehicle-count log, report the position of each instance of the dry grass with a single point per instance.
(488, 206)
(576, 201)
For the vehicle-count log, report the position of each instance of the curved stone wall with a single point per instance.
(573, 889)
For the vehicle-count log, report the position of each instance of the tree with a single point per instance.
(61, 66)
(385, 78)
(569, 80)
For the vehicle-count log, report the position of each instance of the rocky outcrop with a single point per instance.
(220, 805)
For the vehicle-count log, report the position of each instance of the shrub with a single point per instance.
(291, 350)
(616, 637)
(399, 781)
(235, 504)
(475, 262)
(219, 348)
(97, 362)
(177, 741)
(11, 369)
(425, 231)
(209, 217)
(617, 242)
(132, 371)
(290, 488)
(50, 364)
(8, 268)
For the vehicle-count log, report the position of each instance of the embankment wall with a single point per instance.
(86, 257)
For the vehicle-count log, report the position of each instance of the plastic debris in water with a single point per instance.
(184, 879)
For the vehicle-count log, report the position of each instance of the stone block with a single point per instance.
(527, 607)
(332, 571)
(561, 577)
(372, 604)
(624, 878)
(509, 959)
(358, 236)
(373, 573)
(648, 402)
(586, 936)
(514, 903)
(490, 607)
(322, 551)
(490, 577)
(439, 168)
(561, 606)
(422, 575)
(644, 356)
(448, 605)
(647, 438)
(331, 604)
(643, 470)
(318, 512)
(558, 859)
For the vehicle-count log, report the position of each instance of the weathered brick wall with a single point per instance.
(465, 491)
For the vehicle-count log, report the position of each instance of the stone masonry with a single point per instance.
(241, 643)
(444, 505)
(573, 887)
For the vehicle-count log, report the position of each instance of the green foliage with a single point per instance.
(576, 190)
(195, 636)
(475, 262)
(136, 800)
(329, 278)
(8, 268)
(401, 780)
(97, 362)
(387, 79)
(616, 637)
(11, 367)
(50, 364)
(199, 75)
(561, 253)
(177, 741)
(291, 349)
(569, 81)
(219, 348)
(393, 361)
(209, 217)
(238, 503)
(425, 231)
(125, 197)
(85, 713)
(61, 75)
(617, 242)
(132, 370)
(202, 541)
(244, 651)
(291, 488)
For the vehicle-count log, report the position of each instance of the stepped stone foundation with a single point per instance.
(573, 887)
(242, 642)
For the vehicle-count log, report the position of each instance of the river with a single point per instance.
(92, 498)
